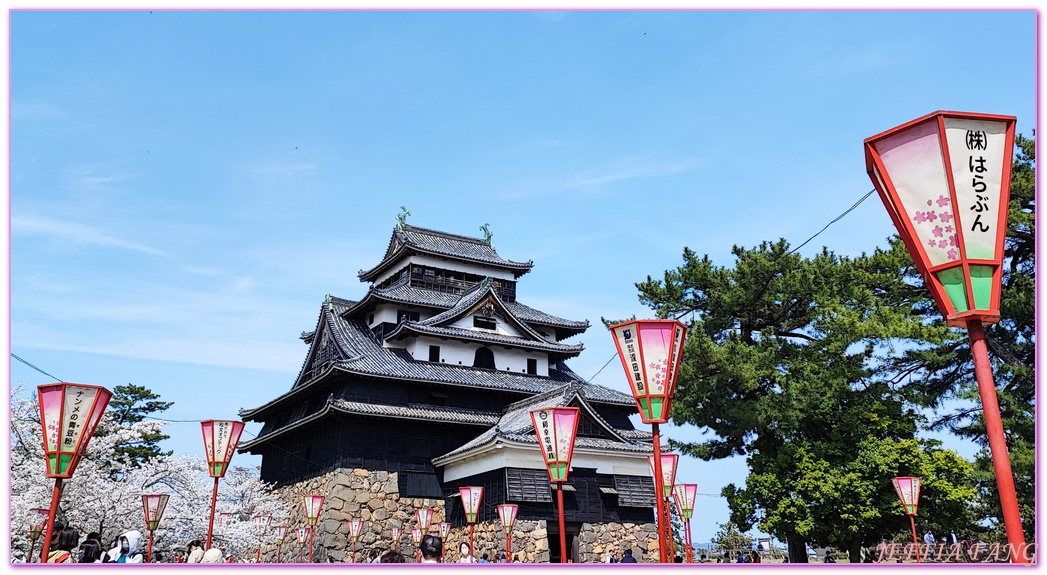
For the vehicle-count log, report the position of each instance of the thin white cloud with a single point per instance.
(594, 179)
(74, 232)
(272, 171)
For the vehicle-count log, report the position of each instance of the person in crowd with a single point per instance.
(126, 548)
(754, 557)
(90, 552)
(502, 559)
(213, 555)
(483, 558)
(703, 558)
(740, 558)
(179, 556)
(392, 555)
(196, 551)
(158, 557)
(678, 558)
(431, 548)
(466, 557)
(628, 557)
(62, 550)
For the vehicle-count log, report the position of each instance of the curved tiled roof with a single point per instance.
(362, 354)
(413, 239)
(515, 425)
(413, 412)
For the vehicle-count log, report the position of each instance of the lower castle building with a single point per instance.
(425, 385)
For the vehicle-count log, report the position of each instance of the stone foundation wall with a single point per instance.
(373, 496)
(597, 540)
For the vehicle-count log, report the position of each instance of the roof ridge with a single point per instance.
(448, 235)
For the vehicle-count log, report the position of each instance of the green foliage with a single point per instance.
(729, 538)
(947, 371)
(131, 404)
(783, 363)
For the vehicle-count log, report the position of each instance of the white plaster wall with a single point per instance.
(502, 327)
(452, 352)
(386, 312)
(445, 265)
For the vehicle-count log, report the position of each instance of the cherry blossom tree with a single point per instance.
(105, 493)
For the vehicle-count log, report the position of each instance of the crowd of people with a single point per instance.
(66, 546)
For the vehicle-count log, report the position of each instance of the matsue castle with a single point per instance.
(423, 384)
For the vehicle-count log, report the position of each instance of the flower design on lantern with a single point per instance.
(651, 351)
(908, 490)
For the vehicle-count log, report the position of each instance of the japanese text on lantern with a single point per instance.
(976, 152)
(74, 403)
(628, 344)
(547, 435)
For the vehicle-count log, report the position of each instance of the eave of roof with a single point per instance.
(436, 414)
(453, 246)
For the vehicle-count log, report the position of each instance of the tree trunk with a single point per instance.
(854, 551)
(797, 549)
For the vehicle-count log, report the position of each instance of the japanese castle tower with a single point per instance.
(424, 385)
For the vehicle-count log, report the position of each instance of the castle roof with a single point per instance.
(515, 425)
(359, 352)
(408, 240)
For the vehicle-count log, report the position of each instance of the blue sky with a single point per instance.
(186, 186)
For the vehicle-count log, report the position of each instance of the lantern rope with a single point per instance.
(838, 218)
(36, 368)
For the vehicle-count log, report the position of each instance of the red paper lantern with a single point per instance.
(945, 180)
(153, 507)
(669, 461)
(507, 513)
(220, 439)
(908, 490)
(69, 415)
(471, 501)
(424, 518)
(261, 524)
(651, 351)
(556, 428)
(281, 533)
(313, 504)
(395, 534)
(684, 496)
(445, 530)
(416, 536)
(356, 526)
(303, 534)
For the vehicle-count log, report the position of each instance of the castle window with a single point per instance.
(484, 358)
(436, 398)
(402, 315)
(434, 353)
(484, 322)
(532, 366)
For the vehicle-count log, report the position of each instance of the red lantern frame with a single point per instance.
(220, 439)
(471, 506)
(424, 517)
(356, 526)
(64, 446)
(909, 165)
(153, 507)
(924, 147)
(507, 513)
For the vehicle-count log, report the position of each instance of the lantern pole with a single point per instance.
(279, 545)
(997, 443)
(471, 554)
(690, 547)
(659, 488)
(508, 546)
(311, 546)
(563, 531)
(669, 529)
(56, 495)
(210, 522)
(915, 540)
(32, 547)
